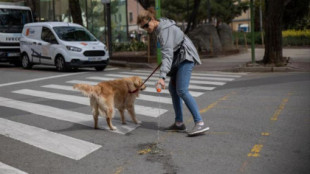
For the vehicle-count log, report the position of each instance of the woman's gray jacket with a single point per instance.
(170, 37)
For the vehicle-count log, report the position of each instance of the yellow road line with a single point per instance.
(255, 150)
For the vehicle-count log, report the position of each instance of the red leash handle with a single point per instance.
(134, 91)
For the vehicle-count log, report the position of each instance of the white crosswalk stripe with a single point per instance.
(145, 75)
(151, 90)
(151, 83)
(192, 81)
(212, 73)
(6, 169)
(64, 115)
(142, 110)
(57, 143)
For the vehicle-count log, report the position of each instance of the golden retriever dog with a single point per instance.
(108, 95)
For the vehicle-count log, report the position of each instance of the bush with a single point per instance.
(296, 37)
(131, 46)
(290, 38)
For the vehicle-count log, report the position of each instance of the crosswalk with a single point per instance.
(76, 149)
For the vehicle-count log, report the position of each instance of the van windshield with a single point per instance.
(73, 34)
(13, 20)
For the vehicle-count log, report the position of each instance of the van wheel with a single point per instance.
(26, 64)
(61, 64)
(100, 68)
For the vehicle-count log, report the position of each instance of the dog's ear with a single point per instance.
(137, 81)
(131, 85)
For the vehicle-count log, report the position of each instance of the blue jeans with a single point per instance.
(178, 88)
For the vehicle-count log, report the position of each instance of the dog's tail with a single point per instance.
(87, 90)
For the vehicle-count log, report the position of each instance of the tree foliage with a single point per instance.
(197, 11)
(296, 15)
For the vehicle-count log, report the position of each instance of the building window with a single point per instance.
(130, 17)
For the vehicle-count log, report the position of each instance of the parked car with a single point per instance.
(65, 45)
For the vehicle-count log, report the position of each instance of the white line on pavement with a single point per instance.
(207, 73)
(6, 169)
(64, 115)
(147, 83)
(142, 110)
(148, 89)
(143, 75)
(192, 81)
(56, 143)
(39, 79)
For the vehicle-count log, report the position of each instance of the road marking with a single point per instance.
(148, 89)
(65, 115)
(216, 103)
(39, 79)
(255, 150)
(142, 110)
(151, 83)
(110, 69)
(265, 133)
(279, 110)
(6, 169)
(61, 87)
(207, 73)
(144, 76)
(192, 81)
(56, 143)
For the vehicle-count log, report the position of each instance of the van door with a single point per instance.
(47, 45)
(33, 33)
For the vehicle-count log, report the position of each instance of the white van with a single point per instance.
(65, 45)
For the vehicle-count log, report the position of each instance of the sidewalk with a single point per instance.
(299, 61)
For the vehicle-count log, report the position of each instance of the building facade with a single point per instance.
(92, 13)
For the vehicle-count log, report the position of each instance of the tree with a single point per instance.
(294, 13)
(273, 32)
(75, 11)
(191, 23)
(222, 10)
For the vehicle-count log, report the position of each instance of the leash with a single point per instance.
(134, 91)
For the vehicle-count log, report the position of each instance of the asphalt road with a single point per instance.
(259, 123)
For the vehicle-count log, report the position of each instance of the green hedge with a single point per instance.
(298, 40)
(131, 46)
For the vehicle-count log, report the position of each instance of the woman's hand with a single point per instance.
(160, 83)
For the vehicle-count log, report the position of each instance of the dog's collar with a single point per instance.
(134, 91)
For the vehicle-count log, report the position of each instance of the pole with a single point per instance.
(158, 15)
(252, 32)
(109, 29)
(261, 21)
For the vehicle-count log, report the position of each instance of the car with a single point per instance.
(64, 45)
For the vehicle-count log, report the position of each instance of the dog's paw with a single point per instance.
(113, 128)
(138, 122)
(124, 123)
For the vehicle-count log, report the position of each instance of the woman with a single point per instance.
(171, 39)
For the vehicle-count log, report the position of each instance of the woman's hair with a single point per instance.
(146, 15)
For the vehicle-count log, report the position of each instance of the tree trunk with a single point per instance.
(191, 23)
(75, 11)
(273, 32)
(32, 4)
